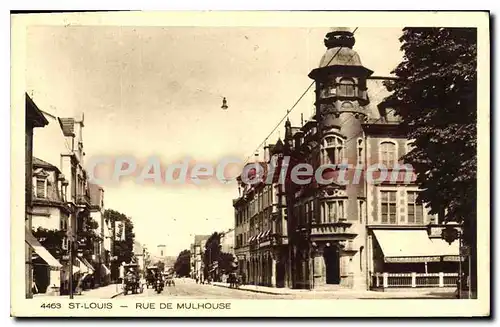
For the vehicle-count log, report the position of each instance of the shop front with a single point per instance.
(46, 269)
(410, 259)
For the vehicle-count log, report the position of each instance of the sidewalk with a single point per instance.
(262, 289)
(104, 292)
(344, 293)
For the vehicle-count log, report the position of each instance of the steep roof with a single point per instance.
(39, 163)
(67, 126)
(34, 115)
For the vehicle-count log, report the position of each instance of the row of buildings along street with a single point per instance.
(358, 237)
(69, 239)
(355, 236)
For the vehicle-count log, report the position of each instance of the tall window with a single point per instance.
(63, 222)
(346, 87)
(361, 211)
(360, 151)
(415, 209)
(333, 150)
(388, 207)
(388, 153)
(41, 188)
(309, 209)
(334, 211)
(73, 183)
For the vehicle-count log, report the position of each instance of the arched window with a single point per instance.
(361, 258)
(333, 150)
(346, 87)
(409, 146)
(360, 151)
(388, 153)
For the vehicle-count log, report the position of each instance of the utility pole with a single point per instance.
(73, 244)
(70, 279)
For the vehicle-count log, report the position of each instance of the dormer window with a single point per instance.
(40, 183)
(346, 87)
(41, 187)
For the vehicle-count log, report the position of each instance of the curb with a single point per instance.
(253, 290)
(118, 294)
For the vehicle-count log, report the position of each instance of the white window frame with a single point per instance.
(339, 144)
(379, 206)
(327, 215)
(426, 216)
(414, 204)
(380, 152)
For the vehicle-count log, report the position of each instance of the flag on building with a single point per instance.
(119, 231)
(123, 231)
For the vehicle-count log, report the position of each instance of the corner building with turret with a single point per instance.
(368, 232)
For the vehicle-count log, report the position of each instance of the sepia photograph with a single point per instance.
(176, 166)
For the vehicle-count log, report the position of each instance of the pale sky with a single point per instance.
(151, 91)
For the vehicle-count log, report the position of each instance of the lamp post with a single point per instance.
(450, 233)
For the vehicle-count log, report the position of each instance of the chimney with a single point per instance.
(266, 154)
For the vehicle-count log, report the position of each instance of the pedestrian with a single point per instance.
(197, 280)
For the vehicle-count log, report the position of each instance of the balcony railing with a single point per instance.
(413, 280)
(340, 227)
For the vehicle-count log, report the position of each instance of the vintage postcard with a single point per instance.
(221, 164)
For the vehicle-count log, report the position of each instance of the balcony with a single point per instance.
(339, 230)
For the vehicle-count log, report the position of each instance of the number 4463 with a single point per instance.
(51, 305)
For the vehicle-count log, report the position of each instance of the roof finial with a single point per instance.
(339, 37)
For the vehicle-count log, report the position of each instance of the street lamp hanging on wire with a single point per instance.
(224, 104)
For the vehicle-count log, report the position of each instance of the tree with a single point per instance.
(213, 254)
(50, 239)
(227, 262)
(161, 266)
(182, 265)
(122, 249)
(435, 94)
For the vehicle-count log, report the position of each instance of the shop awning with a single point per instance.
(400, 246)
(41, 251)
(105, 269)
(266, 233)
(251, 239)
(89, 265)
(85, 266)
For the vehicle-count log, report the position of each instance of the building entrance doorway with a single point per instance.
(331, 256)
(280, 274)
